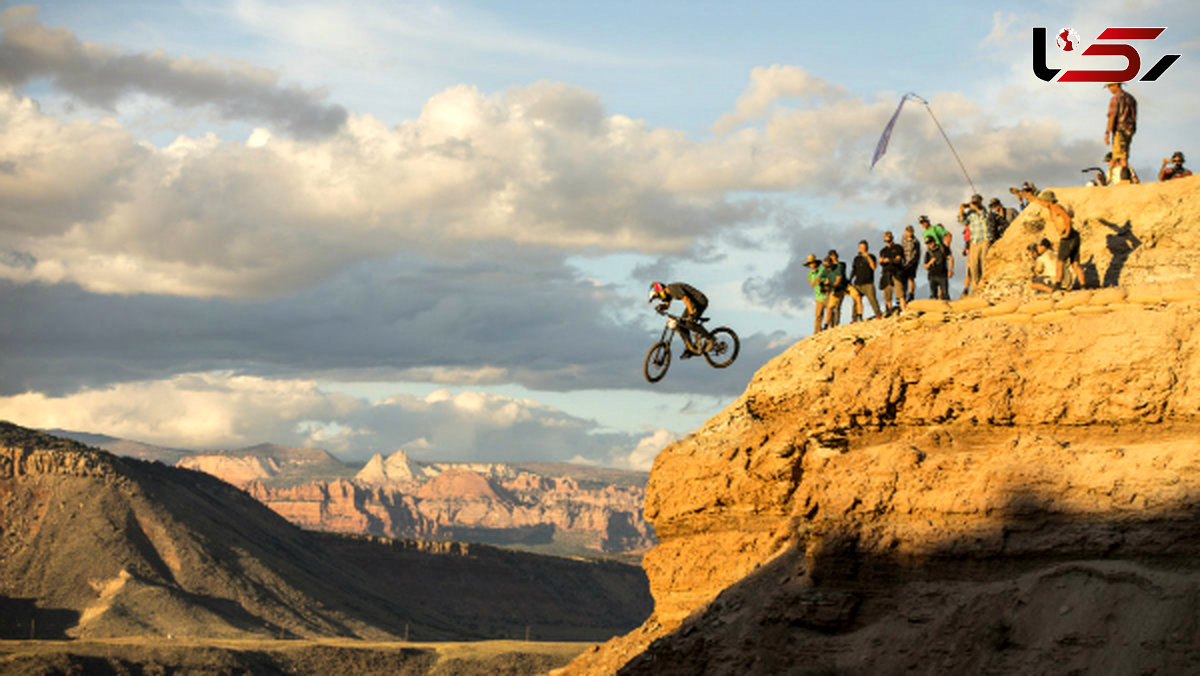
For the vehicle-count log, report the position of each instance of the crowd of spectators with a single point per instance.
(896, 267)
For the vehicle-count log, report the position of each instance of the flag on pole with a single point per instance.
(881, 147)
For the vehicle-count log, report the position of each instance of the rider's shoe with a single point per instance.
(687, 354)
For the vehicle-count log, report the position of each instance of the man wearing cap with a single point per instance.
(862, 284)
(912, 259)
(1022, 201)
(974, 217)
(1068, 242)
(816, 273)
(936, 256)
(998, 219)
(835, 276)
(1176, 169)
(1122, 120)
(891, 275)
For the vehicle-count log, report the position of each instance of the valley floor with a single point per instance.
(324, 656)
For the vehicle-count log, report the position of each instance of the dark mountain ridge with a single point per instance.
(95, 545)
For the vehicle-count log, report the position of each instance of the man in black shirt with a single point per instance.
(891, 274)
(863, 273)
(694, 303)
(935, 265)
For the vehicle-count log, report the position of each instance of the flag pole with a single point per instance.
(939, 126)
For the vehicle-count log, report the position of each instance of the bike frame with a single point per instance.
(672, 328)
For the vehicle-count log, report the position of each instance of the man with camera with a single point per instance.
(936, 268)
(1176, 169)
(835, 275)
(863, 283)
(820, 287)
(974, 217)
(892, 276)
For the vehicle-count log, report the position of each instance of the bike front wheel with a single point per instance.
(724, 348)
(658, 359)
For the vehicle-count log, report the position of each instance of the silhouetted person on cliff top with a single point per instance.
(1122, 120)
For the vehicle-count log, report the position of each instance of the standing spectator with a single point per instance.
(1122, 120)
(835, 275)
(1176, 170)
(1068, 242)
(816, 280)
(936, 268)
(974, 217)
(937, 231)
(891, 274)
(912, 260)
(998, 219)
(967, 255)
(1119, 171)
(863, 282)
(1023, 201)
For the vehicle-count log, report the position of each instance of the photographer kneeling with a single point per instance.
(1043, 266)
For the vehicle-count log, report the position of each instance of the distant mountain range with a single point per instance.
(96, 545)
(551, 508)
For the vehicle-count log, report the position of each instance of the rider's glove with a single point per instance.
(662, 307)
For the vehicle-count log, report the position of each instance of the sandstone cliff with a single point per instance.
(1007, 484)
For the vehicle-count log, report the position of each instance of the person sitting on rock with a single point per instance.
(1119, 172)
(1043, 264)
(1068, 242)
(1176, 169)
(694, 303)
(936, 268)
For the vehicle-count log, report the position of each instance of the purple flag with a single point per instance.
(881, 147)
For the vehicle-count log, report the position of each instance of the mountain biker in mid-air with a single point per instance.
(693, 300)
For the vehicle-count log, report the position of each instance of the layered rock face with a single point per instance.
(1007, 483)
(485, 502)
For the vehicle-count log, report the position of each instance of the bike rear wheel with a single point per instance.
(658, 359)
(724, 348)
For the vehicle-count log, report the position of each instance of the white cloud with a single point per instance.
(222, 410)
(769, 85)
(642, 456)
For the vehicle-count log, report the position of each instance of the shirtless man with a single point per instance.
(1068, 237)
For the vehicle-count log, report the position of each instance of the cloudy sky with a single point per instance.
(379, 225)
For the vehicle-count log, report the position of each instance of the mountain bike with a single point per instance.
(719, 347)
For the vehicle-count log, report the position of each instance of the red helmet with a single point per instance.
(658, 291)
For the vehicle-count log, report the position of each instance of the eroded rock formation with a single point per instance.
(1007, 483)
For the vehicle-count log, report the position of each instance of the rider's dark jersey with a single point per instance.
(679, 290)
